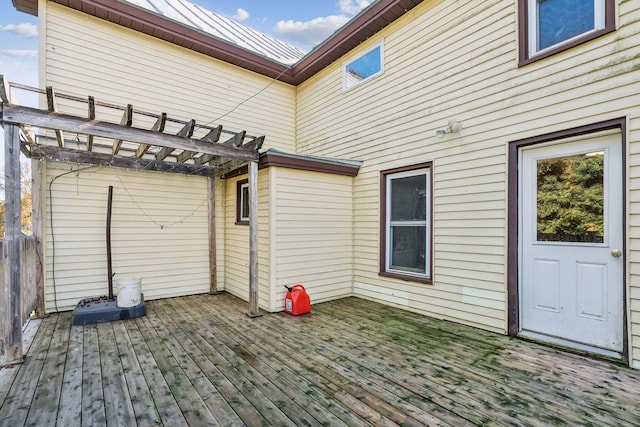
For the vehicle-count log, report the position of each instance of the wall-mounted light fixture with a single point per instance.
(452, 127)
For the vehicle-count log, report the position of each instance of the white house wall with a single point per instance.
(236, 243)
(459, 60)
(86, 56)
(314, 234)
(159, 233)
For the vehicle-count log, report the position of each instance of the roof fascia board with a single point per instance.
(371, 20)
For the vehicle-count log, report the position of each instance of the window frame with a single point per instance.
(240, 186)
(525, 32)
(345, 87)
(384, 250)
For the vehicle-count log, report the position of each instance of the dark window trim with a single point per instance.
(523, 33)
(513, 310)
(239, 185)
(383, 224)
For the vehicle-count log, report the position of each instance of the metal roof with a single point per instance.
(192, 15)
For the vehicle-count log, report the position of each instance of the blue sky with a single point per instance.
(302, 23)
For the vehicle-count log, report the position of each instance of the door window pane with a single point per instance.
(570, 198)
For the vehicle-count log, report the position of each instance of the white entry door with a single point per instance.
(571, 283)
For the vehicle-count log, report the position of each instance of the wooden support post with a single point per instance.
(12, 239)
(254, 310)
(213, 261)
(38, 232)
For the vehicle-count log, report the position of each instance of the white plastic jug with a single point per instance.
(128, 291)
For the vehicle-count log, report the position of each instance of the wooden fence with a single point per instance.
(28, 278)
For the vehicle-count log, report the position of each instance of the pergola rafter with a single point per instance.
(165, 144)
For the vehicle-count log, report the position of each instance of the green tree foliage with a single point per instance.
(571, 197)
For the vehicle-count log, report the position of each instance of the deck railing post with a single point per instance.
(12, 239)
(253, 240)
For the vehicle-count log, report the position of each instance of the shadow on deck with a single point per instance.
(201, 361)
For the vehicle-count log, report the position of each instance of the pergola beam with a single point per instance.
(158, 126)
(58, 154)
(53, 107)
(91, 113)
(127, 120)
(20, 115)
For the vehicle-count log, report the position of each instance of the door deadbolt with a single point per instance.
(616, 253)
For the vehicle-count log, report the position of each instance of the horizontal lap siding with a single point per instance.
(236, 243)
(458, 60)
(159, 232)
(314, 234)
(85, 56)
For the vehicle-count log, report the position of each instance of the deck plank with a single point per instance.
(117, 401)
(261, 410)
(70, 410)
(141, 398)
(165, 403)
(16, 405)
(553, 405)
(182, 349)
(285, 388)
(93, 411)
(193, 408)
(200, 360)
(44, 407)
(318, 373)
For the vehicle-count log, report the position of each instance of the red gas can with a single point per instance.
(297, 300)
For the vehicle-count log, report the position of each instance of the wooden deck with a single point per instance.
(201, 361)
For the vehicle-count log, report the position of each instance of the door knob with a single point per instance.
(616, 253)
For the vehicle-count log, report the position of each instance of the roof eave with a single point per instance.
(369, 22)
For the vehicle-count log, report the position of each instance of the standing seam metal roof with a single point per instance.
(192, 15)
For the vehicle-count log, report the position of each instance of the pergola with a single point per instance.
(166, 144)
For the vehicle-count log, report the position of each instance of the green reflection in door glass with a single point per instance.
(570, 198)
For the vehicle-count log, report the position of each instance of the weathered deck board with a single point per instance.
(201, 361)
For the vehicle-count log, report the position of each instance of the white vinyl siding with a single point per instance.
(86, 56)
(458, 61)
(314, 235)
(159, 232)
(236, 243)
(305, 236)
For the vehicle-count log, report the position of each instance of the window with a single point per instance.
(550, 26)
(363, 68)
(242, 202)
(406, 223)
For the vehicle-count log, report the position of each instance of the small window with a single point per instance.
(242, 204)
(363, 68)
(406, 223)
(550, 26)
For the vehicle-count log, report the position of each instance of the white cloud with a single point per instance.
(240, 15)
(352, 7)
(22, 53)
(25, 29)
(310, 32)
